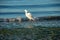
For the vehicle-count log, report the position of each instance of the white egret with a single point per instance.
(28, 15)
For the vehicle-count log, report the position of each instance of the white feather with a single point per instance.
(28, 15)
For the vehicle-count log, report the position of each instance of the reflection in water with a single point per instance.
(29, 24)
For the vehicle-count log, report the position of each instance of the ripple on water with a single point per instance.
(29, 24)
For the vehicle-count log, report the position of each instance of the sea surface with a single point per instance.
(38, 8)
(34, 14)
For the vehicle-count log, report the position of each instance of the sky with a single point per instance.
(15, 5)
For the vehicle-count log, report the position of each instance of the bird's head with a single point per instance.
(25, 10)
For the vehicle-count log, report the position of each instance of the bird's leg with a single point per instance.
(30, 20)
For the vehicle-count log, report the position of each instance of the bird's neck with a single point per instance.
(25, 12)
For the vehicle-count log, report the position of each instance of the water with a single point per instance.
(34, 14)
(9, 25)
(38, 8)
(54, 23)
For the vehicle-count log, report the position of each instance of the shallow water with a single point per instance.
(29, 24)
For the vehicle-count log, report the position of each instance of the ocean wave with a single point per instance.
(33, 12)
(30, 6)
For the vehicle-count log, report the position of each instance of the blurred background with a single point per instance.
(38, 8)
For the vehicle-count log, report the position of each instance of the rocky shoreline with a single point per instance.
(25, 19)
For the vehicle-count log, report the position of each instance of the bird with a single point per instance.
(28, 15)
